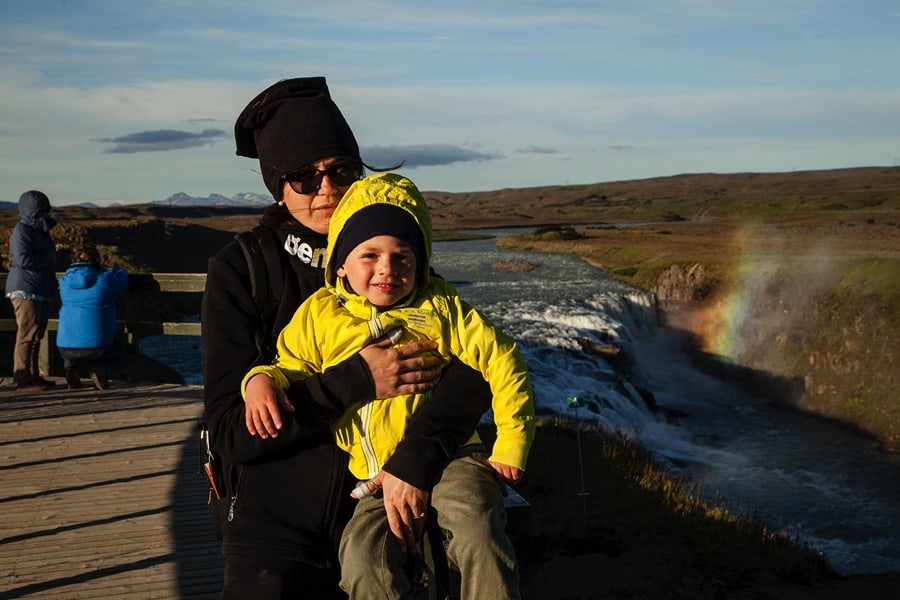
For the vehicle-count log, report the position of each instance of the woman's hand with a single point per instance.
(407, 510)
(407, 369)
(262, 399)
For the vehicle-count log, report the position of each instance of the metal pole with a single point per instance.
(576, 402)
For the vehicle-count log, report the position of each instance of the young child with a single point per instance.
(87, 318)
(377, 279)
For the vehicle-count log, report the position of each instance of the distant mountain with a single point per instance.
(182, 199)
(15, 205)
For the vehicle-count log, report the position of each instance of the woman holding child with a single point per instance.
(287, 486)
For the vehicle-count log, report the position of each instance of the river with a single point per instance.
(821, 484)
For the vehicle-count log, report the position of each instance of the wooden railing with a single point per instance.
(146, 309)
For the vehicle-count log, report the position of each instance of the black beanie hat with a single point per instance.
(380, 219)
(289, 125)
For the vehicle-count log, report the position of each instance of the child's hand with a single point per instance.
(262, 399)
(507, 473)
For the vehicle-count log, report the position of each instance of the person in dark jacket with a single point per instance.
(87, 318)
(30, 286)
(287, 486)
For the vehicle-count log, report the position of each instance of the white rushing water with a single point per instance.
(819, 483)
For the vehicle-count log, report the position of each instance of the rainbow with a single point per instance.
(720, 326)
(723, 337)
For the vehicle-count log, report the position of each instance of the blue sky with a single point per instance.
(117, 101)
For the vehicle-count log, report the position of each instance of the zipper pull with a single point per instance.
(231, 508)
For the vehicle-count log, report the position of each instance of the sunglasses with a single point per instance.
(308, 180)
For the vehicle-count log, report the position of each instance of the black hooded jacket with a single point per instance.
(32, 253)
(289, 497)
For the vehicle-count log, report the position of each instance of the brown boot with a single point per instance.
(100, 377)
(44, 382)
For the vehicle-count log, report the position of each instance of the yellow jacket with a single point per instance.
(333, 324)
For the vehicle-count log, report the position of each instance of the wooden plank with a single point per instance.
(166, 282)
(169, 282)
(140, 328)
(148, 328)
(101, 496)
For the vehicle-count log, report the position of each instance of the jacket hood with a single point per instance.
(82, 275)
(31, 204)
(381, 188)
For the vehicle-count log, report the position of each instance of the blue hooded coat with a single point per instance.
(87, 317)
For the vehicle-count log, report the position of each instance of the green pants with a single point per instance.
(468, 501)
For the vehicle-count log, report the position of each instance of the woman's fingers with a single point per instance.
(419, 349)
(406, 506)
(407, 369)
(418, 367)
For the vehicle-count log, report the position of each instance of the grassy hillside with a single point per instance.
(631, 531)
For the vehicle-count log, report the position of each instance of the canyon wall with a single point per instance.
(838, 343)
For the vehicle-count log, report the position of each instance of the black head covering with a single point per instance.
(381, 219)
(33, 202)
(291, 124)
(34, 210)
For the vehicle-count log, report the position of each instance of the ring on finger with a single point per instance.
(418, 516)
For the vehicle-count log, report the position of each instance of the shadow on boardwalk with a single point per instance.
(100, 496)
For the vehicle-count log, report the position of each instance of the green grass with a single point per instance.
(877, 277)
(626, 273)
(633, 505)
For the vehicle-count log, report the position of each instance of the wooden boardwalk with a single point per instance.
(100, 495)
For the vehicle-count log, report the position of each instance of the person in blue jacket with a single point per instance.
(30, 286)
(87, 318)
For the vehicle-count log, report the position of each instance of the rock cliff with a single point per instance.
(834, 341)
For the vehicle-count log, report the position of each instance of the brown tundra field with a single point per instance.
(824, 316)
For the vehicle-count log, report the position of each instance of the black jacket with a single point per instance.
(32, 253)
(289, 495)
